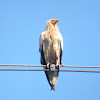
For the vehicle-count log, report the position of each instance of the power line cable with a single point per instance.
(45, 65)
(49, 70)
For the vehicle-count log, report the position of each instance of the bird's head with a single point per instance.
(54, 21)
(51, 24)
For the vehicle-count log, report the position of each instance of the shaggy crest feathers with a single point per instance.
(51, 25)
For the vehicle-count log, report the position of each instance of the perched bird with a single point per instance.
(51, 49)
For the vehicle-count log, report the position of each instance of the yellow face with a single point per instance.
(54, 21)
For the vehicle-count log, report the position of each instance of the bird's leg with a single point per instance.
(57, 64)
(48, 64)
(59, 67)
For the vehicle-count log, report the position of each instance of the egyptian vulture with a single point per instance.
(51, 49)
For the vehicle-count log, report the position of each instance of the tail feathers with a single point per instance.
(53, 87)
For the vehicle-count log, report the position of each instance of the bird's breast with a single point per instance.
(51, 48)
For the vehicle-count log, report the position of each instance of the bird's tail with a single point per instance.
(53, 87)
(52, 78)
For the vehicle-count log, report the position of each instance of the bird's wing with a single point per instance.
(41, 48)
(61, 46)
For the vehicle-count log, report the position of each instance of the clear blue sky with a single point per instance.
(21, 23)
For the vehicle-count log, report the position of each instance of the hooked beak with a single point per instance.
(58, 20)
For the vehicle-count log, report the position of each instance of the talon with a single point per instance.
(59, 67)
(48, 66)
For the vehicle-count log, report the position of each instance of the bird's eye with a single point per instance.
(52, 20)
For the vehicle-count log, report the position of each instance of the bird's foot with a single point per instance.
(61, 65)
(48, 65)
(58, 66)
